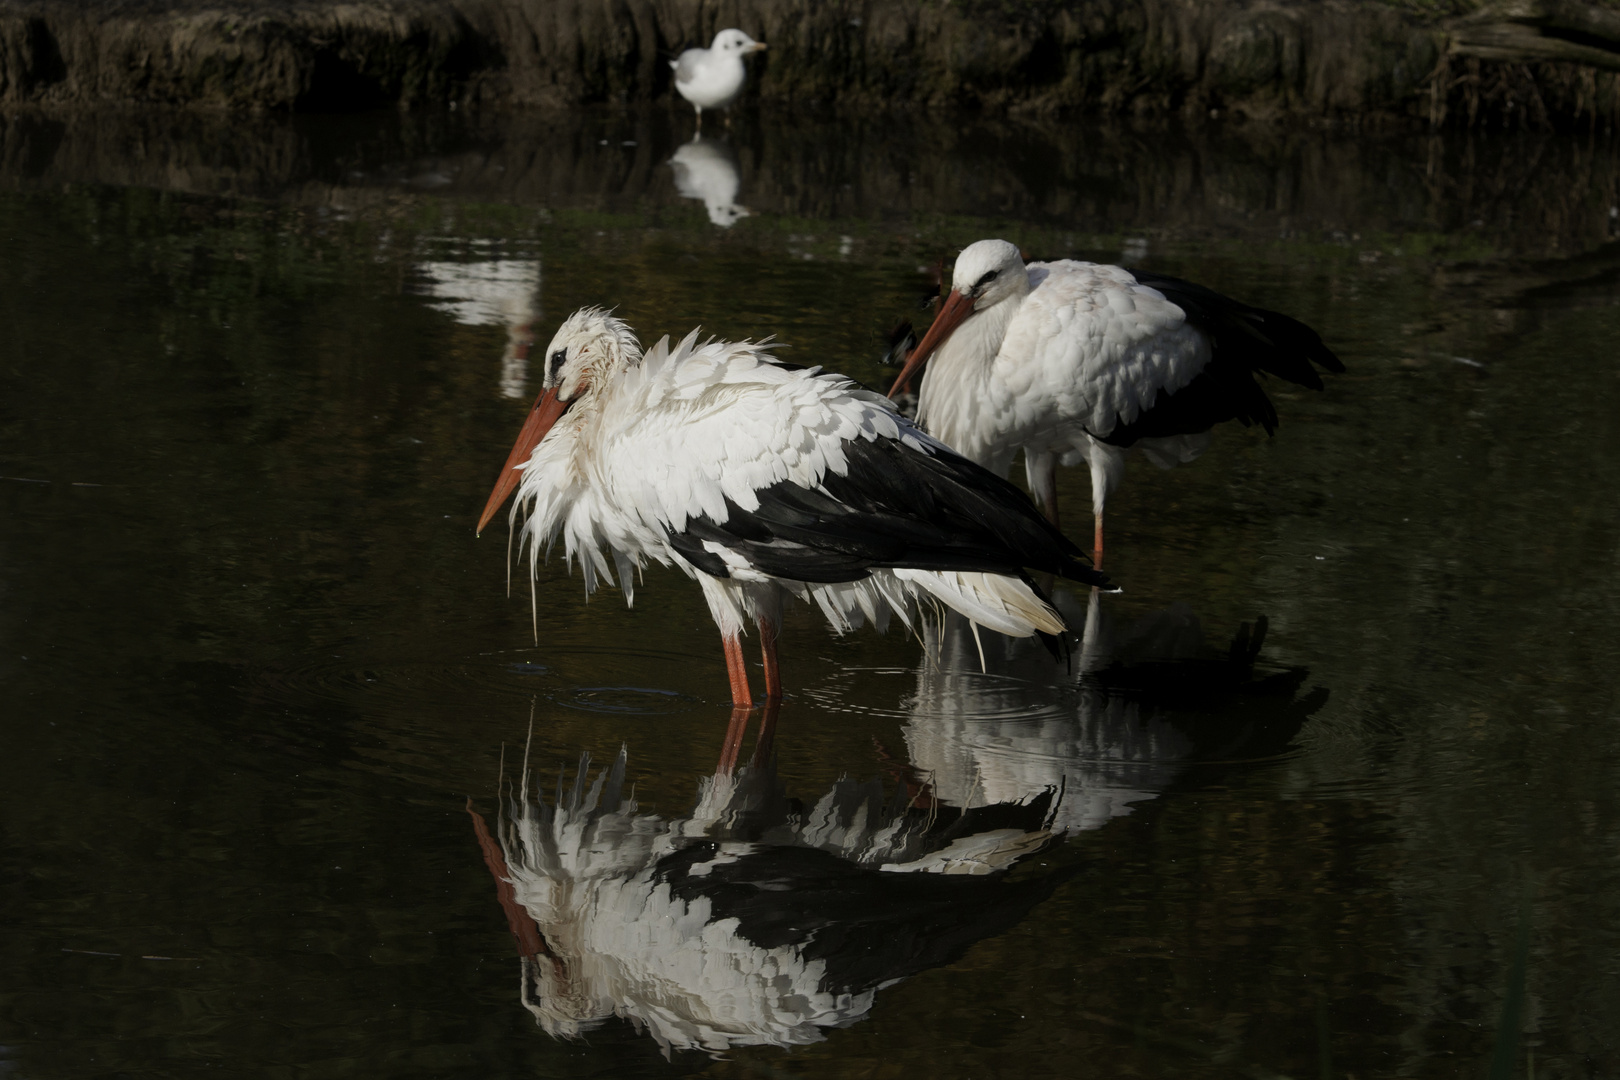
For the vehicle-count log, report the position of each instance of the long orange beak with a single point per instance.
(952, 313)
(547, 411)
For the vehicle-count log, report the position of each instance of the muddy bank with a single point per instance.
(1516, 63)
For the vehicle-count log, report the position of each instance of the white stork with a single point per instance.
(1075, 360)
(762, 480)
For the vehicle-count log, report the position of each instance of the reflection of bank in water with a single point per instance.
(706, 169)
(490, 292)
(1114, 725)
(756, 919)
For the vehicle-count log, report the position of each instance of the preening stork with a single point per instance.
(1072, 361)
(764, 480)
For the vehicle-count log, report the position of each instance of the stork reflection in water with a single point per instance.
(756, 919)
(491, 292)
(1140, 706)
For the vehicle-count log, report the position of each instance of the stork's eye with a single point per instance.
(557, 360)
(986, 279)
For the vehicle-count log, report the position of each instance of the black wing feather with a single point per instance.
(894, 507)
(1243, 339)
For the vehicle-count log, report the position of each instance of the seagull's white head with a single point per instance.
(988, 273)
(590, 350)
(734, 43)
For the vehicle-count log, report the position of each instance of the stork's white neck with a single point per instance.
(959, 403)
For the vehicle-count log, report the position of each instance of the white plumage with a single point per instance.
(761, 480)
(1026, 724)
(491, 292)
(1127, 720)
(636, 915)
(712, 78)
(706, 170)
(1070, 361)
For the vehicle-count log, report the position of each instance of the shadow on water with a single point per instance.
(763, 919)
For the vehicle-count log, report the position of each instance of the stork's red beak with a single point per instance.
(546, 412)
(956, 308)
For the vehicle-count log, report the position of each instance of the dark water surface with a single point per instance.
(1335, 783)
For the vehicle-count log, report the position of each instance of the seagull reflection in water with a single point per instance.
(706, 170)
(761, 920)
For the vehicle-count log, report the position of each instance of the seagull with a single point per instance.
(712, 78)
(1072, 361)
(763, 480)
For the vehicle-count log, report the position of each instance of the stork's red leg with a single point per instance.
(740, 703)
(738, 670)
(1096, 553)
(734, 737)
(773, 672)
(767, 734)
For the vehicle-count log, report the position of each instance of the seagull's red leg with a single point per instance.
(773, 673)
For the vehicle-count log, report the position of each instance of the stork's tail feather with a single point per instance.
(1292, 347)
(1077, 571)
(999, 602)
(1269, 340)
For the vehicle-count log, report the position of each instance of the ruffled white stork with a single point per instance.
(763, 480)
(1072, 361)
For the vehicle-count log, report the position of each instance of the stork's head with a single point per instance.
(591, 349)
(987, 274)
(735, 43)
